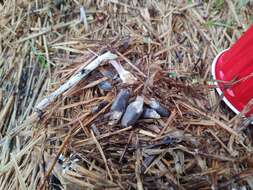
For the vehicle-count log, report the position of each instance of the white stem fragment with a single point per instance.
(75, 79)
(125, 75)
(83, 18)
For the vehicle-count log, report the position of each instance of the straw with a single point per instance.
(54, 115)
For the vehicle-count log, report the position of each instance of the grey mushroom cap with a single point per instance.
(120, 102)
(119, 106)
(105, 85)
(162, 111)
(107, 74)
(149, 113)
(133, 112)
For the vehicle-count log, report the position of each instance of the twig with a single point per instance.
(102, 154)
(56, 158)
(5, 111)
(132, 65)
(138, 166)
(74, 80)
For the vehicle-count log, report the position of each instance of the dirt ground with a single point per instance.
(165, 49)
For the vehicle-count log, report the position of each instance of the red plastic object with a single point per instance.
(233, 69)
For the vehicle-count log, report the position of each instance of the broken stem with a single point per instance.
(124, 75)
(74, 79)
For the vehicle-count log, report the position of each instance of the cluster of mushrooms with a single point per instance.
(129, 113)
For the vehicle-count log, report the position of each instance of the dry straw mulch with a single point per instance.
(168, 46)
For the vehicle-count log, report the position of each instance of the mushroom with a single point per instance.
(119, 106)
(149, 113)
(162, 111)
(133, 112)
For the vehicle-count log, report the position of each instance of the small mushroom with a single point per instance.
(149, 113)
(162, 111)
(107, 73)
(133, 112)
(119, 106)
(105, 85)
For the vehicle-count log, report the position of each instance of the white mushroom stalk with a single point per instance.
(75, 79)
(124, 75)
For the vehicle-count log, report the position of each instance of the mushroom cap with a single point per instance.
(133, 112)
(150, 113)
(105, 85)
(120, 102)
(162, 111)
(119, 106)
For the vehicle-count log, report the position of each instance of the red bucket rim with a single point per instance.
(228, 103)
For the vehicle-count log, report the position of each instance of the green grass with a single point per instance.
(40, 57)
(226, 24)
(218, 4)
